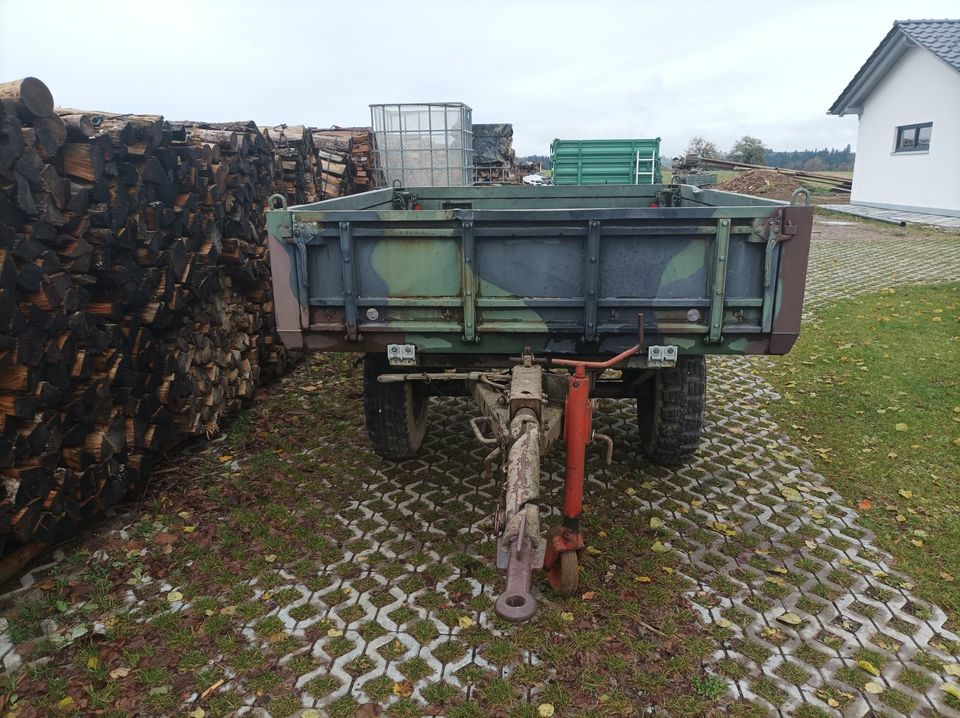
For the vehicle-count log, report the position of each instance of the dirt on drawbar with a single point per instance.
(762, 183)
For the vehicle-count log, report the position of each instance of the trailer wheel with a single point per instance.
(564, 575)
(396, 413)
(670, 412)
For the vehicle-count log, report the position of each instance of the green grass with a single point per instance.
(873, 389)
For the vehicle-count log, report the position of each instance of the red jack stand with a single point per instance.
(564, 542)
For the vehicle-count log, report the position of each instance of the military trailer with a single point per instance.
(535, 301)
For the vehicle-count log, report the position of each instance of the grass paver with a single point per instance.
(287, 575)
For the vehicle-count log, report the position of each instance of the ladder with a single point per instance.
(648, 175)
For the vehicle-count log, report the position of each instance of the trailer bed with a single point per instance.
(564, 271)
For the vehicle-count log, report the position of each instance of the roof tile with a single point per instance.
(941, 37)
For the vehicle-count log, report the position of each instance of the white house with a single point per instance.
(907, 96)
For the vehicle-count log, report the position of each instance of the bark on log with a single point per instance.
(30, 97)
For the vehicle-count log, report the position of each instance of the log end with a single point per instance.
(31, 96)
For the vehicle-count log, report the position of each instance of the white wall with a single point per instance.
(919, 88)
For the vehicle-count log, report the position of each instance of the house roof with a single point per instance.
(940, 37)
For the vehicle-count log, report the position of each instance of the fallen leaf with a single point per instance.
(403, 688)
(951, 689)
(865, 505)
(916, 542)
(566, 616)
(593, 550)
(656, 523)
(946, 576)
(161, 538)
(791, 494)
(642, 579)
(545, 710)
(868, 667)
(952, 669)
(791, 619)
(874, 688)
(906, 493)
(68, 701)
(93, 662)
(189, 529)
(658, 547)
(310, 713)
(197, 713)
(589, 596)
(174, 596)
(120, 672)
(334, 632)
(630, 491)
(666, 569)
(270, 558)
(723, 623)
(184, 514)
(225, 458)
(901, 427)
(465, 621)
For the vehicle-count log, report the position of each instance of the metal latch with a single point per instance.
(661, 355)
(402, 354)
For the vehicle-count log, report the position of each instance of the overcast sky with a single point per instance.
(554, 69)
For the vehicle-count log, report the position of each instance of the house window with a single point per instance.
(914, 138)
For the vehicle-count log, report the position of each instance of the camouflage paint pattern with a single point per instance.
(563, 270)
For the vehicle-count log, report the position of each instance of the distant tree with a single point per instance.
(703, 147)
(832, 159)
(749, 150)
(814, 164)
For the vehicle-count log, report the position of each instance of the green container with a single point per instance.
(588, 162)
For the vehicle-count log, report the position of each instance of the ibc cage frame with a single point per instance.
(422, 144)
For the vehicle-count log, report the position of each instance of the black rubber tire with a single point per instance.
(396, 413)
(670, 412)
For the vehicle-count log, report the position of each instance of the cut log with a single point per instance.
(79, 125)
(30, 97)
(83, 161)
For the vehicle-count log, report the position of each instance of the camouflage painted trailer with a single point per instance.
(470, 272)
(534, 299)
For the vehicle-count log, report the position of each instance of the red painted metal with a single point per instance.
(577, 433)
(577, 417)
(597, 364)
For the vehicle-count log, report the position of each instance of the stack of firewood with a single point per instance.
(360, 148)
(135, 297)
(343, 158)
(297, 161)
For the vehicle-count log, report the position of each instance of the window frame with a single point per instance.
(915, 128)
